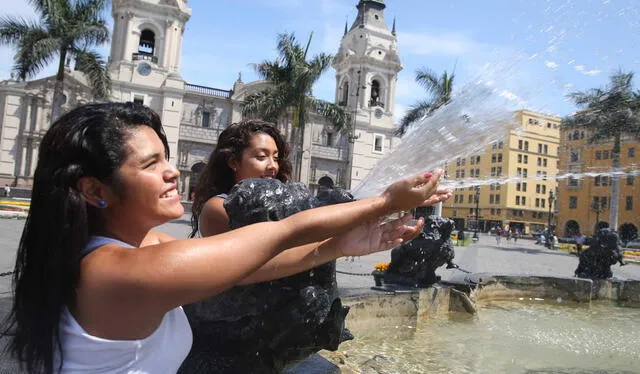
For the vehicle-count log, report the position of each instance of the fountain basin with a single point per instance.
(523, 324)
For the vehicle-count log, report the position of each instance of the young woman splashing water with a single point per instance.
(89, 298)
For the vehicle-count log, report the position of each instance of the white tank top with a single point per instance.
(161, 352)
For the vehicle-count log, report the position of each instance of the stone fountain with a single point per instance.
(262, 328)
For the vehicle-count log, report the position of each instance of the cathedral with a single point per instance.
(144, 65)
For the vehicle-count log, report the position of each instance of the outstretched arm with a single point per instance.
(166, 275)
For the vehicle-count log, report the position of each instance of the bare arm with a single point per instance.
(162, 276)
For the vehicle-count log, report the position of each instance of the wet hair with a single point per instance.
(218, 177)
(89, 141)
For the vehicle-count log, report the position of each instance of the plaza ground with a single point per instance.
(486, 256)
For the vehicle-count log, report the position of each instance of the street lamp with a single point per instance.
(551, 199)
(549, 231)
(597, 208)
(475, 233)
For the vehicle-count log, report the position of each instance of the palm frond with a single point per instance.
(428, 79)
(269, 104)
(36, 50)
(13, 29)
(415, 112)
(95, 68)
(336, 114)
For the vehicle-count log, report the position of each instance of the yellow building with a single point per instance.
(585, 200)
(529, 154)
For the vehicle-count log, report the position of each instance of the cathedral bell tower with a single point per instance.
(367, 66)
(147, 33)
(145, 58)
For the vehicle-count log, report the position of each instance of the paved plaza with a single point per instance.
(523, 257)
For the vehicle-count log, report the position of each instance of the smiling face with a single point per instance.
(259, 160)
(146, 183)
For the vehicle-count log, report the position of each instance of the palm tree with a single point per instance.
(609, 113)
(291, 79)
(439, 87)
(65, 29)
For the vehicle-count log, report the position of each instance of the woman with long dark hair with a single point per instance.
(249, 149)
(89, 298)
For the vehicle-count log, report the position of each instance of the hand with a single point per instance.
(373, 237)
(412, 232)
(416, 191)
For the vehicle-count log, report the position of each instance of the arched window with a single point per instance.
(147, 42)
(375, 93)
(345, 94)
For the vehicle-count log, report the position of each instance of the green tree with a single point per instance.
(291, 77)
(440, 89)
(65, 29)
(609, 113)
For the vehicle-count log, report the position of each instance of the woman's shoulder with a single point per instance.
(213, 218)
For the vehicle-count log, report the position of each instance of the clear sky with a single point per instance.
(538, 49)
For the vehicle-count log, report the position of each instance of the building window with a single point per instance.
(524, 187)
(206, 119)
(517, 200)
(573, 202)
(478, 160)
(377, 142)
(629, 203)
(518, 186)
(375, 99)
(470, 199)
(493, 158)
(519, 172)
(631, 153)
(498, 211)
(598, 155)
(499, 171)
(524, 173)
(544, 162)
(491, 199)
(519, 158)
(539, 148)
(543, 202)
(573, 182)
(605, 155)
(500, 144)
(138, 99)
(499, 157)
(147, 42)
(544, 189)
(546, 149)
(497, 199)
(629, 180)
(526, 145)
(329, 139)
(537, 202)
(345, 94)
(537, 188)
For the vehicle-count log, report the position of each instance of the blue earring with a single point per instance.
(102, 203)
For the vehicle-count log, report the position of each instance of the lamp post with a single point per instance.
(549, 231)
(551, 199)
(597, 208)
(475, 233)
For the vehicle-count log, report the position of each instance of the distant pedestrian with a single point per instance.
(579, 242)
(7, 191)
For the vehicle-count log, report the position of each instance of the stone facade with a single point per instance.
(144, 65)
